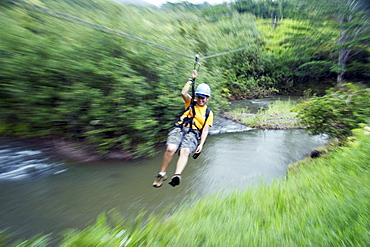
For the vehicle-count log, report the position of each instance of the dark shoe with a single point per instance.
(159, 180)
(175, 180)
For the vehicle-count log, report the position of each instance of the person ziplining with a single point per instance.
(194, 124)
(190, 132)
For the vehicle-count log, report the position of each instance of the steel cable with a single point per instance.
(105, 29)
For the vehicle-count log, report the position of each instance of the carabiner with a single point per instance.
(196, 63)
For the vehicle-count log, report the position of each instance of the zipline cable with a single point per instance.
(102, 28)
(105, 29)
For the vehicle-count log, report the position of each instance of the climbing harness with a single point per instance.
(198, 132)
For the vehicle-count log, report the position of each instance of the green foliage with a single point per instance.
(271, 9)
(4, 238)
(63, 79)
(350, 20)
(37, 241)
(71, 81)
(262, 9)
(338, 112)
(300, 53)
(241, 74)
(358, 68)
(69, 89)
(102, 233)
(278, 115)
(247, 74)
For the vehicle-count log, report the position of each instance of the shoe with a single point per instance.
(175, 180)
(159, 180)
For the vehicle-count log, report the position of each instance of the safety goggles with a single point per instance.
(200, 97)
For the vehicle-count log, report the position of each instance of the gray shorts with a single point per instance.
(183, 138)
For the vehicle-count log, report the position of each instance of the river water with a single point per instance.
(42, 194)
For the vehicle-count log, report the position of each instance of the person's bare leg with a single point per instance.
(167, 156)
(183, 160)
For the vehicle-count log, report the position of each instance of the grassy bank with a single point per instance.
(326, 203)
(278, 115)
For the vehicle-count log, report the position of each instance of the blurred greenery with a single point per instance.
(62, 79)
(277, 115)
(65, 80)
(338, 112)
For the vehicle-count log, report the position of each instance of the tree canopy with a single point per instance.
(70, 71)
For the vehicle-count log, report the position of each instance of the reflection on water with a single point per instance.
(75, 197)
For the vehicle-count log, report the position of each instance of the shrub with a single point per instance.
(338, 112)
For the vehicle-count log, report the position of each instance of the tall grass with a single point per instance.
(326, 203)
(278, 115)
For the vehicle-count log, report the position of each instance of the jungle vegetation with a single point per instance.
(63, 79)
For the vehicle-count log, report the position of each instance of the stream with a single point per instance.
(42, 194)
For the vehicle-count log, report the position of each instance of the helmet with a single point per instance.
(203, 90)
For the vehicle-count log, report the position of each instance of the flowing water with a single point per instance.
(43, 194)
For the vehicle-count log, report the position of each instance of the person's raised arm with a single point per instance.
(187, 86)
